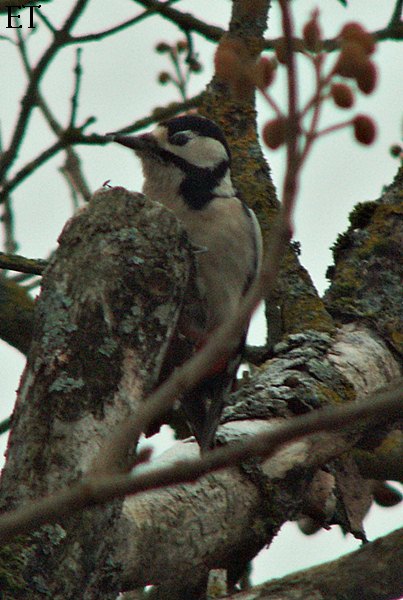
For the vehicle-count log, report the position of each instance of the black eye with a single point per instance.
(179, 139)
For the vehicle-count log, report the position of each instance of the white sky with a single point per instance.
(119, 86)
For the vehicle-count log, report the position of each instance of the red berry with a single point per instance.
(367, 78)
(274, 133)
(342, 95)
(355, 32)
(265, 71)
(364, 129)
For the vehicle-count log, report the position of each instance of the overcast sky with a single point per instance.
(119, 86)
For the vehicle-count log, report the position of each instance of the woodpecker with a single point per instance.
(186, 164)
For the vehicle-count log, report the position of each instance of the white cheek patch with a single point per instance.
(225, 188)
(201, 151)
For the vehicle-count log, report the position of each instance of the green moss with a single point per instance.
(366, 277)
(343, 392)
(303, 312)
(342, 244)
(301, 307)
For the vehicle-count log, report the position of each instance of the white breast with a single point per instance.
(232, 254)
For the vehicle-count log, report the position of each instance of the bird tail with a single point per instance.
(203, 406)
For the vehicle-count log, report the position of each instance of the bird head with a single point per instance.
(187, 152)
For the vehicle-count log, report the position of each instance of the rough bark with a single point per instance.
(203, 526)
(99, 339)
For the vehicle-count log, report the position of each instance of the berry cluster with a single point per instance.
(351, 72)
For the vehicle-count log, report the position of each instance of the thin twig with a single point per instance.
(290, 185)
(78, 72)
(71, 170)
(332, 128)
(272, 103)
(160, 114)
(100, 35)
(99, 489)
(76, 137)
(316, 103)
(62, 37)
(46, 21)
(397, 14)
(10, 243)
(187, 22)
(28, 169)
(7, 219)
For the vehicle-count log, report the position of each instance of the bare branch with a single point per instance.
(28, 169)
(46, 21)
(78, 72)
(95, 37)
(28, 102)
(397, 13)
(13, 262)
(291, 179)
(72, 168)
(97, 490)
(76, 136)
(185, 21)
(162, 113)
(10, 244)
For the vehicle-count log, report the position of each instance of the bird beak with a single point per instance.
(139, 143)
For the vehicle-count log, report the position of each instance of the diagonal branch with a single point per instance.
(397, 14)
(98, 490)
(13, 262)
(186, 21)
(100, 35)
(28, 168)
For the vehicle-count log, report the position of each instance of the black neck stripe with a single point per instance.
(199, 182)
